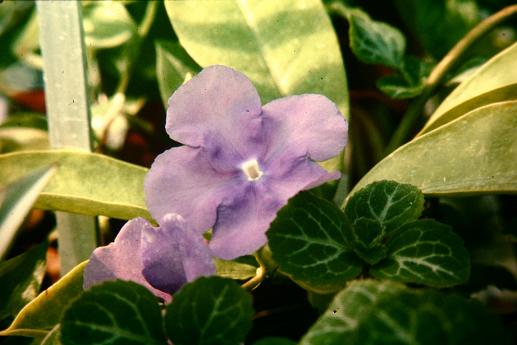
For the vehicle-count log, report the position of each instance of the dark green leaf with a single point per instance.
(425, 252)
(173, 66)
(367, 238)
(308, 242)
(42, 315)
(115, 312)
(397, 87)
(85, 183)
(389, 203)
(210, 310)
(20, 280)
(385, 313)
(274, 341)
(473, 154)
(371, 41)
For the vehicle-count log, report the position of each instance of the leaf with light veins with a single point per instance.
(309, 243)
(425, 252)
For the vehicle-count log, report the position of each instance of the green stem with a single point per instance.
(439, 72)
(68, 111)
(260, 275)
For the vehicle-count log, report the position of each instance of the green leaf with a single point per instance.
(210, 310)
(495, 81)
(438, 24)
(234, 269)
(40, 316)
(371, 41)
(115, 312)
(173, 66)
(397, 87)
(265, 41)
(107, 24)
(16, 202)
(385, 313)
(85, 183)
(18, 139)
(473, 154)
(425, 252)
(20, 280)
(389, 203)
(367, 238)
(308, 242)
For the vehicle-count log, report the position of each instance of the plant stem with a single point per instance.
(68, 111)
(439, 72)
(260, 275)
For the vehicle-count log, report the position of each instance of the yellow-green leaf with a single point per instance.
(85, 183)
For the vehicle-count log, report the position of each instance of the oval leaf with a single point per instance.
(265, 41)
(210, 310)
(425, 252)
(114, 312)
(495, 81)
(309, 244)
(474, 154)
(379, 313)
(85, 183)
(41, 315)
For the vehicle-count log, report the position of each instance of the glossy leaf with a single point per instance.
(85, 183)
(380, 313)
(107, 24)
(425, 252)
(210, 310)
(173, 66)
(265, 41)
(472, 155)
(389, 203)
(16, 202)
(495, 81)
(118, 312)
(42, 315)
(371, 41)
(20, 280)
(367, 238)
(309, 244)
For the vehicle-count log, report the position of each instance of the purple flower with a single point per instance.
(161, 259)
(240, 162)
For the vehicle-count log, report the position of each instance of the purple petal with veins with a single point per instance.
(241, 162)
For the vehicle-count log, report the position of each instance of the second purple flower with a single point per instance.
(240, 162)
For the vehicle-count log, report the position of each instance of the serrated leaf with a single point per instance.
(473, 154)
(173, 65)
(425, 252)
(375, 42)
(309, 244)
(265, 41)
(210, 310)
(44, 312)
(382, 313)
(120, 312)
(494, 82)
(85, 183)
(389, 203)
(20, 280)
(17, 199)
(107, 24)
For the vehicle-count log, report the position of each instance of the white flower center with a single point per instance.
(251, 169)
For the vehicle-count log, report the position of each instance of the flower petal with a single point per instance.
(305, 125)
(121, 259)
(181, 180)
(218, 105)
(242, 223)
(173, 254)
